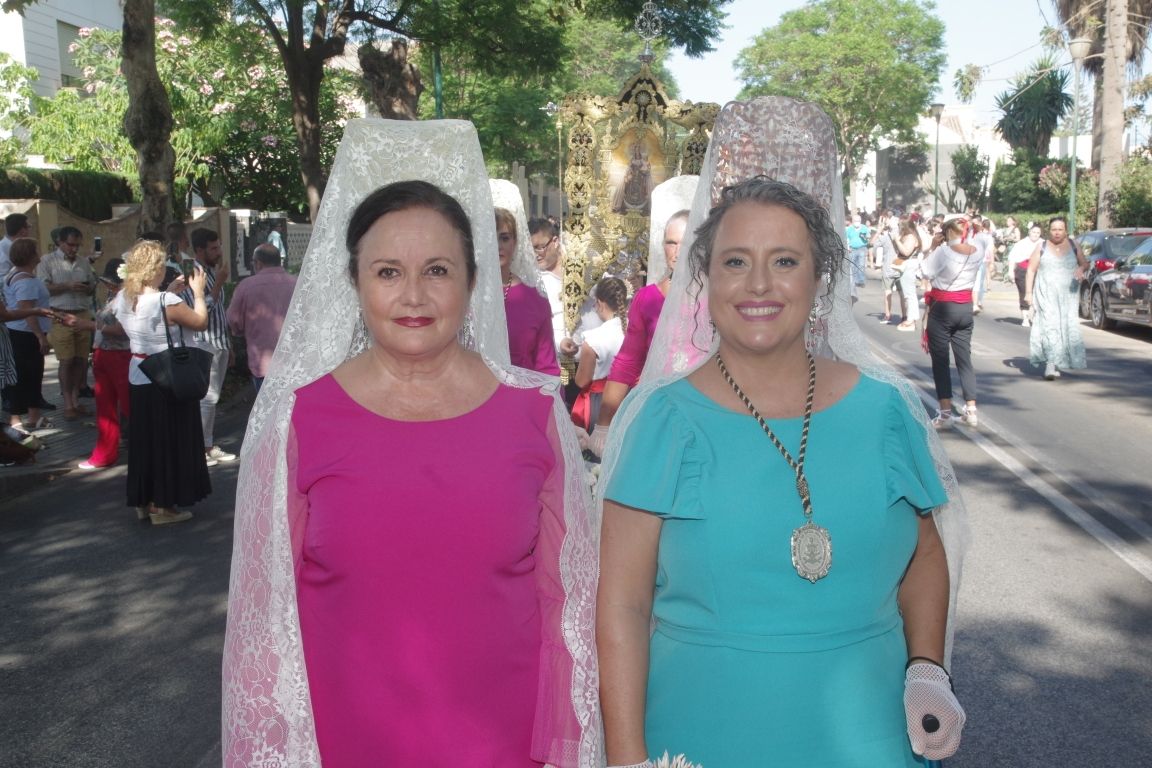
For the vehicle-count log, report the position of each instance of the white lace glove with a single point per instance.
(934, 717)
(581, 437)
(645, 764)
(596, 442)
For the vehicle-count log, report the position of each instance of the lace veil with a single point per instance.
(267, 714)
(790, 141)
(673, 195)
(507, 195)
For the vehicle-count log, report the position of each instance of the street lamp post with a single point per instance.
(1079, 49)
(937, 110)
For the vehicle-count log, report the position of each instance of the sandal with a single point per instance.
(40, 423)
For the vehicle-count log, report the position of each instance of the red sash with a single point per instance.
(582, 408)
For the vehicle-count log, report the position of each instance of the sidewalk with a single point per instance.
(67, 443)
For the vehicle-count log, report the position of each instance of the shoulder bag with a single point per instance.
(181, 371)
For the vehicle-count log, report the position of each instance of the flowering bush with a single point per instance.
(232, 134)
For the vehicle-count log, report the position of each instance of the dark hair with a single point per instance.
(403, 196)
(14, 223)
(613, 292)
(152, 235)
(110, 270)
(267, 254)
(66, 232)
(23, 252)
(201, 238)
(546, 225)
(827, 247)
(1055, 219)
(504, 217)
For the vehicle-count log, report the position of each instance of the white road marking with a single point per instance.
(1094, 528)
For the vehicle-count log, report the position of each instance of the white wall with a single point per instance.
(33, 39)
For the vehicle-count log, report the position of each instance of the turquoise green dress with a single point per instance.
(752, 666)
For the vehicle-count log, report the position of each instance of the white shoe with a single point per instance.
(968, 415)
(1026, 318)
(943, 419)
(219, 454)
(1050, 372)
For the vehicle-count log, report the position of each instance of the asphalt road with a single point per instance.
(111, 630)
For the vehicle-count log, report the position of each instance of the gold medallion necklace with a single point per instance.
(811, 544)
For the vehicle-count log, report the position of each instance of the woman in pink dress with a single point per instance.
(643, 315)
(530, 341)
(415, 564)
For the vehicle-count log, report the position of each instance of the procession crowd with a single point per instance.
(581, 544)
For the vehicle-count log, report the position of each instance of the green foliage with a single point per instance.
(15, 100)
(965, 80)
(90, 194)
(1015, 185)
(507, 109)
(233, 134)
(1055, 179)
(1033, 107)
(970, 174)
(1131, 202)
(872, 65)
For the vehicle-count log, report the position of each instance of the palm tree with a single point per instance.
(1119, 40)
(1033, 107)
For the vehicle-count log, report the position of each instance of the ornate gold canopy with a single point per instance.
(618, 150)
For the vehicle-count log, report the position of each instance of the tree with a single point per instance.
(148, 119)
(1112, 83)
(507, 36)
(1033, 106)
(871, 65)
(970, 174)
(232, 130)
(1082, 18)
(507, 109)
(15, 102)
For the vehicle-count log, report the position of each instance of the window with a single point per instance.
(70, 74)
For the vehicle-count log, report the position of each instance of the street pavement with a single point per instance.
(111, 630)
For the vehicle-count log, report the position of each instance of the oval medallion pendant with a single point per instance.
(811, 551)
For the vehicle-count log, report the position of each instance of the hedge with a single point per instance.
(89, 194)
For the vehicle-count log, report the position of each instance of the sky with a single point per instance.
(1003, 35)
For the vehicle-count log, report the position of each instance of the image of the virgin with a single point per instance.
(631, 174)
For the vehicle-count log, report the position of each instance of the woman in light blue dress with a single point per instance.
(774, 590)
(1052, 287)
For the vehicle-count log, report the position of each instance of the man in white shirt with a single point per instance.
(1019, 257)
(70, 282)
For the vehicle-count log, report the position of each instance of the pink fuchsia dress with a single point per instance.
(531, 343)
(643, 314)
(417, 583)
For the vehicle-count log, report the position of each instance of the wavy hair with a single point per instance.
(141, 264)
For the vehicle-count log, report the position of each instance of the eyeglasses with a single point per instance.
(543, 247)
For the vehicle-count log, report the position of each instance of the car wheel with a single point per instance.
(1085, 303)
(1100, 318)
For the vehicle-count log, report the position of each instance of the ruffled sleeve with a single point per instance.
(659, 465)
(911, 473)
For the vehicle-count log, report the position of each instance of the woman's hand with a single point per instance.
(197, 281)
(177, 285)
(43, 343)
(933, 716)
(568, 347)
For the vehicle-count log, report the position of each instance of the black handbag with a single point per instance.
(182, 371)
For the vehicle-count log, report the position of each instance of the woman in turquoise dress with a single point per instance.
(1052, 288)
(774, 588)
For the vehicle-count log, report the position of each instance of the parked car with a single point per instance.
(1122, 294)
(1102, 247)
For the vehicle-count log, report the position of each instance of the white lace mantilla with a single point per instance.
(267, 712)
(789, 141)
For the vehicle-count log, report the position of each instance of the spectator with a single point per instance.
(258, 308)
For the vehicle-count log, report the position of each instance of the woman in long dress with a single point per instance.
(166, 468)
(415, 566)
(1052, 289)
(726, 481)
(530, 341)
